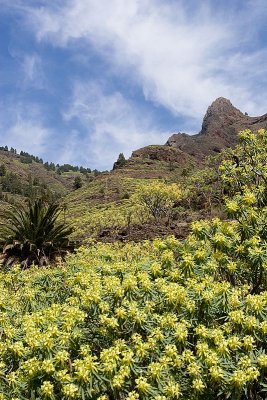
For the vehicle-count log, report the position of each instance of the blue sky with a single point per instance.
(83, 80)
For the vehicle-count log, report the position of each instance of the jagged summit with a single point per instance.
(220, 127)
(220, 114)
(219, 130)
(221, 106)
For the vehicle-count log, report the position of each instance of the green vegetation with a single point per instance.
(24, 176)
(33, 235)
(121, 161)
(158, 198)
(77, 182)
(159, 320)
(115, 203)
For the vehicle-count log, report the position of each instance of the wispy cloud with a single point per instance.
(110, 124)
(32, 69)
(21, 126)
(182, 55)
(133, 65)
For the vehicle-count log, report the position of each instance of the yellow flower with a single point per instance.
(252, 373)
(211, 358)
(194, 369)
(237, 316)
(202, 331)
(198, 385)
(132, 396)
(48, 366)
(249, 198)
(155, 369)
(248, 342)
(231, 206)
(216, 372)
(70, 391)
(47, 389)
(231, 266)
(172, 390)
(223, 348)
(18, 348)
(262, 360)
(118, 380)
(142, 385)
(171, 350)
(234, 343)
(181, 332)
(62, 356)
(238, 378)
(128, 357)
(202, 349)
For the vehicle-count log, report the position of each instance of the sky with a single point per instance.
(84, 80)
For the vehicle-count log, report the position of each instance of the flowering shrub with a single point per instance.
(161, 321)
(139, 321)
(157, 198)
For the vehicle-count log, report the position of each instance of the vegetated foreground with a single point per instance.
(155, 320)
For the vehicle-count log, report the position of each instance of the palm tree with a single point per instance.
(34, 234)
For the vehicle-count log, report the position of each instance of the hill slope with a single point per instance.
(103, 208)
(26, 176)
(184, 159)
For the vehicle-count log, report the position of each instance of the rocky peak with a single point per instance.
(220, 127)
(222, 106)
(219, 114)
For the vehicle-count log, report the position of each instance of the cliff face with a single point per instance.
(220, 127)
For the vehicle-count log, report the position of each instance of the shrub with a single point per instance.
(158, 198)
(150, 321)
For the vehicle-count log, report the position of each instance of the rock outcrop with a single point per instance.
(220, 127)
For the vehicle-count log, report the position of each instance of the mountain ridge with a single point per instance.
(219, 130)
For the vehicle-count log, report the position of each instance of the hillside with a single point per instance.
(103, 208)
(25, 176)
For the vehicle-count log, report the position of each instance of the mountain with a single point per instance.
(102, 206)
(220, 127)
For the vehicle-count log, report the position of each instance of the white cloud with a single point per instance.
(182, 54)
(183, 57)
(32, 70)
(21, 127)
(27, 135)
(111, 123)
(30, 73)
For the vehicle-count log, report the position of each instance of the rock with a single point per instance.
(161, 153)
(220, 127)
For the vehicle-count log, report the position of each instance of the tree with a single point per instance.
(77, 182)
(121, 161)
(2, 170)
(33, 234)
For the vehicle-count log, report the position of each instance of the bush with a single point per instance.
(158, 198)
(153, 321)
